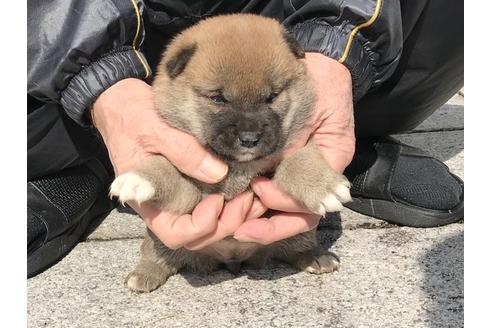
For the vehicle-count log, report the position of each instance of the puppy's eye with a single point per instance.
(271, 98)
(218, 99)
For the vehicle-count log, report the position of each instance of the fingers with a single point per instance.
(232, 216)
(190, 157)
(256, 210)
(294, 219)
(278, 227)
(273, 197)
(175, 231)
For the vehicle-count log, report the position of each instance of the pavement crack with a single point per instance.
(111, 239)
(366, 226)
(430, 130)
(370, 225)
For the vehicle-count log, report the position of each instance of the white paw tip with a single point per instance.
(132, 283)
(346, 183)
(130, 186)
(331, 203)
(343, 193)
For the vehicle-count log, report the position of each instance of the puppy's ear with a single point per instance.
(178, 61)
(294, 45)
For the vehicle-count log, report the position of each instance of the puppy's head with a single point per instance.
(237, 83)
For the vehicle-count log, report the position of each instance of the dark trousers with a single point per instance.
(430, 72)
(56, 142)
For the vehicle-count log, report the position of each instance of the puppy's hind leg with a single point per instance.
(148, 276)
(303, 253)
(315, 261)
(156, 265)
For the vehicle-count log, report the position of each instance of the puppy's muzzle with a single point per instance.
(244, 135)
(249, 139)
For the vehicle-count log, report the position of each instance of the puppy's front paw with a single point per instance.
(308, 178)
(132, 187)
(331, 197)
(324, 192)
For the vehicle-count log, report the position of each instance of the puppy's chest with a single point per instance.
(237, 180)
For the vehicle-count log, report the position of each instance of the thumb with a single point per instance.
(190, 157)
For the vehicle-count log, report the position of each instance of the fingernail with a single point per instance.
(256, 210)
(256, 189)
(220, 205)
(244, 239)
(247, 203)
(213, 168)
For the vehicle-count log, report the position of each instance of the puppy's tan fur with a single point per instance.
(247, 57)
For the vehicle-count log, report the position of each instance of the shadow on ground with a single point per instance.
(442, 145)
(126, 209)
(443, 283)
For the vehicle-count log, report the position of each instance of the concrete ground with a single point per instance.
(389, 277)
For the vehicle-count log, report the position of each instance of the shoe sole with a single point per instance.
(407, 214)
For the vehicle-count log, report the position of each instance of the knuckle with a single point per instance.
(228, 231)
(224, 233)
(171, 243)
(207, 229)
(202, 230)
(193, 248)
(265, 241)
(173, 246)
(228, 228)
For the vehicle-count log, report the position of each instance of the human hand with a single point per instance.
(132, 130)
(332, 129)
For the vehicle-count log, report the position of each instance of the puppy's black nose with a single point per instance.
(249, 139)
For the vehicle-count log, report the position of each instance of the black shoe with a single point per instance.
(63, 209)
(403, 185)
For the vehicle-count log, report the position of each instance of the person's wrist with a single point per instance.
(325, 64)
(117, 93)
(113, 98)
(334, 132)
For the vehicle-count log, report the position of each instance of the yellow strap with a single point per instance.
(357, 28)
(142, 60)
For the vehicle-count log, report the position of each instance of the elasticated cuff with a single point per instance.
(318, 36)
(93, 79)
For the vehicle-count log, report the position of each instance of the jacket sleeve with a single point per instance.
(364, 35)
(77, 49)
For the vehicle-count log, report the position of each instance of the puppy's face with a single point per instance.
(237, 84)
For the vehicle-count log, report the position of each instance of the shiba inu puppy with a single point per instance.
(238, 84)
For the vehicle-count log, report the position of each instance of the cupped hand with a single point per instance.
(126, 118)
(132, 130)
(332, 129)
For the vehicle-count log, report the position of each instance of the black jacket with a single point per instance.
(77, 49)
